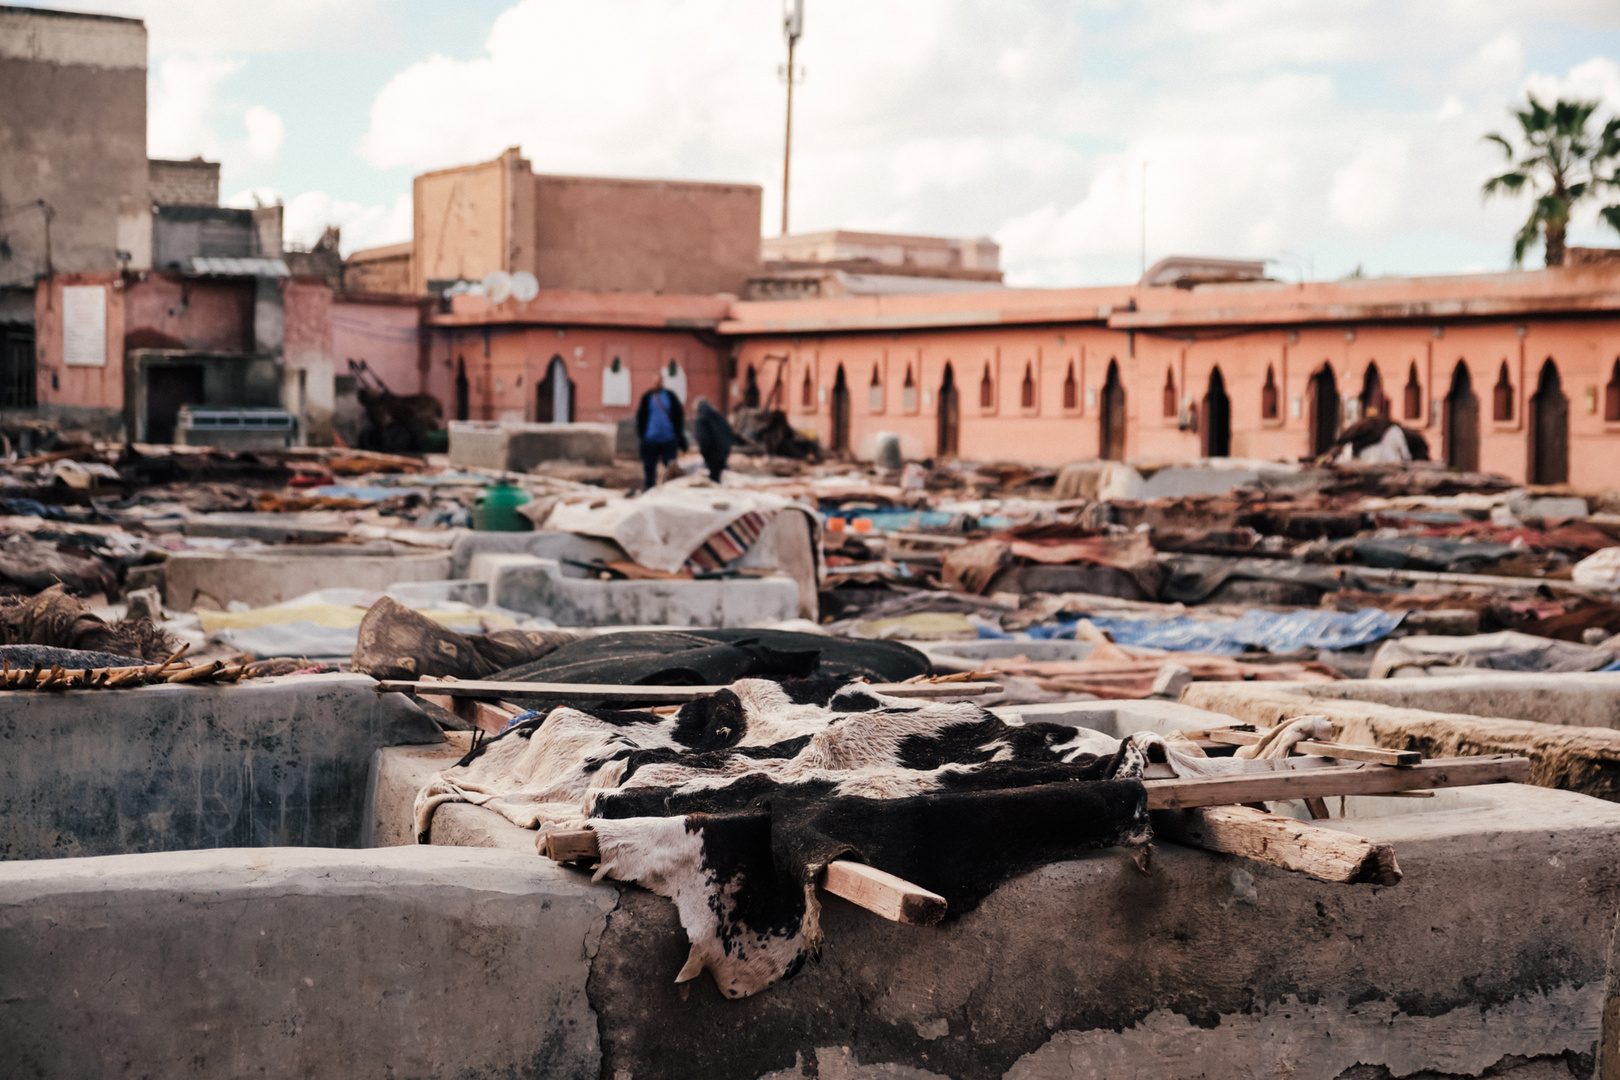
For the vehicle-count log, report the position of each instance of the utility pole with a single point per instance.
(792, 27)
(1144, 217)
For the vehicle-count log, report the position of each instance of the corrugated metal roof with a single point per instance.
(239, 267)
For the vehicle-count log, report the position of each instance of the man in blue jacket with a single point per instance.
(661, 427)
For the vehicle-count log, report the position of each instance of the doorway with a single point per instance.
(1460, 422)
(167, 389)
(1217, 427)
(463, 390)
(840, 413)
(751, 389)
(1324, 410)
(1373, 399)
(1549, 429)
(18, 375)
(554, 399)
(950, 415)
(1111, 441)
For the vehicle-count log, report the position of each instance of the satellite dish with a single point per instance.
(497, 286)
(524, 287)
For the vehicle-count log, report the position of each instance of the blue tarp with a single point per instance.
(1275, 632)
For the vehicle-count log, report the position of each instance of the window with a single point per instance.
(874, 393)
(908, 393)
(1026, 395)
(1071, 389)
(987, 390)
(1414, 395)
(807, 397)
(1268, 396)
(1171, 404)
(1502, 397)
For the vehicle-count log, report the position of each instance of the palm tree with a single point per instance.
(1561, 164)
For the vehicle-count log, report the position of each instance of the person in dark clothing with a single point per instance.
(661, 427)
(714, 438)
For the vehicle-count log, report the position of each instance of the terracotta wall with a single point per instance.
(80, 387)
(1000, 425)
(386, 336)
(167, 311)
(505, 365)
(307, 371)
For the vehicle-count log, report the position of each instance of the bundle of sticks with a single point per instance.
(171, 670)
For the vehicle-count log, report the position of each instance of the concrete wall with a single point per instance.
(1491, 949)
(260, 763)
(73, 133)
(645, 236)
(580, 232)
(419, 962)
(307, 354)
(184, 183)
(379, 270)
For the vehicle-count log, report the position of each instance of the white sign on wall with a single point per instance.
(84, 325)
(616, 380)
(675, 378)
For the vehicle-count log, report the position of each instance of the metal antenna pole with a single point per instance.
(792, 27)
(1144, 218)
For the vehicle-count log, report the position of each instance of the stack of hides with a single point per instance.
(733, 806)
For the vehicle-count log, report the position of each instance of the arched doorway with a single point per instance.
(1549, 429)
(1324, 410)
(1460, 422)
(840, 412)
(1217, 426)
(1112, 415)
(1373, 398)
(463, 390)
(950, 415)
(751, 388)
(554, 399)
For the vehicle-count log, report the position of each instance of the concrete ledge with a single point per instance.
(1577, 699)
(1583, 759)
(540, 587)
(263, 576)
(520, 447)
(162, 768)
(421, 962)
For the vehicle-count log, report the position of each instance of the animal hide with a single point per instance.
(734, 806)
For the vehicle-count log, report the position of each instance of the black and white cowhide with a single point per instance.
(732, 807)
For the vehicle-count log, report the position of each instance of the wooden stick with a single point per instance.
(894, 898)
(489, 690)
(1342, 751)
(1336, 780)
(878, 891)
(1325, 854)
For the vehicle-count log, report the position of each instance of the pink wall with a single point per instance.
(167, 311)
(387, 336)
(84, 387)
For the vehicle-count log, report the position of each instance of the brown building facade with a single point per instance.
(594, 234)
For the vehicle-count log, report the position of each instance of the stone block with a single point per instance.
(520, 447)
(544, 587)
(263, 576)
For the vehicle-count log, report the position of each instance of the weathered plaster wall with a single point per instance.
(260, 763)
(306, 344)
(315, 964)
(73, 133)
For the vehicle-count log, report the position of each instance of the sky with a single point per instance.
(1329, 135)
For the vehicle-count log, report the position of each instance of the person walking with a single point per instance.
(661, 427)
(714, 438)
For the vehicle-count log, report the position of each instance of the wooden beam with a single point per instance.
(489, 717)
(1341, 751)
(1325, 854)
(1337, 780)
(894, 898)
(488, 690)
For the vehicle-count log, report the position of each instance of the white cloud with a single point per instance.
(265, 132)
(179, 121)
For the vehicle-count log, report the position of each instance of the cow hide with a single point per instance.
(732, 807)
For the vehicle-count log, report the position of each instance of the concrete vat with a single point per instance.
(262, 576)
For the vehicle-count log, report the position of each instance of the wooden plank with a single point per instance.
(894, 898)
(1337, 780)
(1342, 751)
(879, 892)
(1325, 854)
(483, 688)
